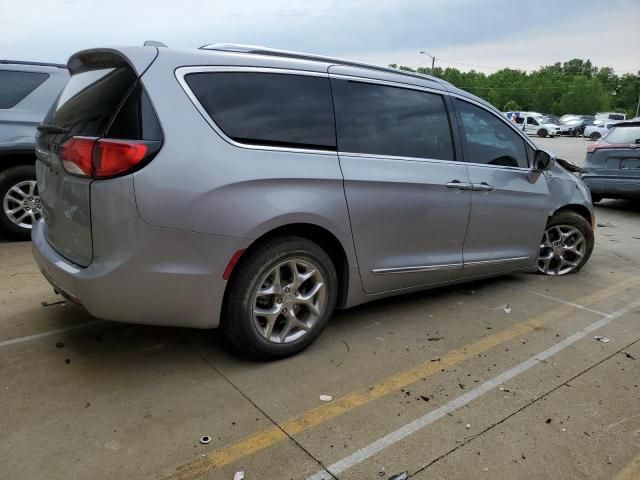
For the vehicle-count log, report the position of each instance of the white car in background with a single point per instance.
(597, 130)
(533, 123)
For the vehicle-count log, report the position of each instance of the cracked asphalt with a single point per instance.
(497, 379)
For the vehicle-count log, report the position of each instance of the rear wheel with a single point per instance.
(542, 133)
(20, 202)
(594, 136)
(566, 245)
(280, 298)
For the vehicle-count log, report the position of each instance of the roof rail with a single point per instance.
(255, 49)
(40, 64)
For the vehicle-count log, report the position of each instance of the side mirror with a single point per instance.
(542, 161)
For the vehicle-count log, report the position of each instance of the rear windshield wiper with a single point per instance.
(45, 128)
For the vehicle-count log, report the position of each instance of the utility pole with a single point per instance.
(433, 60)
(638, 107)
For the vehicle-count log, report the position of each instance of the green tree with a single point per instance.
(511, 106)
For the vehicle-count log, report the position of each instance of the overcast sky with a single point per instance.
(487, 34)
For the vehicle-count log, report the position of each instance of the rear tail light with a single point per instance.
(113, 157)
(90, 157)
(76, 155)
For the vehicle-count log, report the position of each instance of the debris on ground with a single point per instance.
(67, 361)
(548, 420)
(382, 472)
(205, 439)
(435, 359)
(399, 476)
(239, 475)
(628, 355)
(346, 345)
(507, 308)
(380, 339)
(434, 339)
(467, 426)
(326, 398)
(59, 344)
(48, 304)
(602, 339)
(424, 397)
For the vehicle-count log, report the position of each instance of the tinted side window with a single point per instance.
(381, 120)
(269, 108)
(15, 86)
(90, 100)
(488, 139)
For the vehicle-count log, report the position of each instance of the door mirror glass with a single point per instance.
(542, 160)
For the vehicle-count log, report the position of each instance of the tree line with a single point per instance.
(575, 86)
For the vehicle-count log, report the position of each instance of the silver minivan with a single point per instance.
(256, 190)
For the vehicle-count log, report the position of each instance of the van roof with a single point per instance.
(260, 50)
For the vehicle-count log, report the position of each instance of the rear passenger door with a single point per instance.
(406, 191)
(509, 205)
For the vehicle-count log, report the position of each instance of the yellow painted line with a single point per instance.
(316, 416)
(631, 471)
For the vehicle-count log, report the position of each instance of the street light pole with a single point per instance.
(433, 60)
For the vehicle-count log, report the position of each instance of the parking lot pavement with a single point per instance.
(495, 379)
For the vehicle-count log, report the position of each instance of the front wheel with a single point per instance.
(594, 136)
(542, 133)
(566, 245)
(280, 298)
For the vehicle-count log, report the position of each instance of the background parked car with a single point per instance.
(27, 91)
(612, 165)
(611, 116)
(597, 130)
(575, 126)
(533, 123)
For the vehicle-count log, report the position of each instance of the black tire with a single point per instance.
(568, 217)
(542, 133)
(595, 136)
(237, 315)
(8, 178)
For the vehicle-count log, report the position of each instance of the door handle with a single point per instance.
(482, 187)
(459, 185)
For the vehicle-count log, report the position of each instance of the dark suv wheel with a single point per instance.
(280, 298)
(19, 200)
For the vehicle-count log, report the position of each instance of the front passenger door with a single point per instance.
(509, 205)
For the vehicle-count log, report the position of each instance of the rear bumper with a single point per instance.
(167, 277)
(616, 186)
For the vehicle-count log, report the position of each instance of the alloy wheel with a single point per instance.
(289, 301)
(21, 204)
(562, 250)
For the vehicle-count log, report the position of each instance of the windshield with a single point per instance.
(624, 135)
(542, 120)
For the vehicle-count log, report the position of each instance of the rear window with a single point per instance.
(381, 120)
(15, 86)
(90, 99)
(624, 135)
(268, 108)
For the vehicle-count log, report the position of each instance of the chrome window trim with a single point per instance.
(374, 156)
(181, 72)
(388, 83)
(449, 266)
